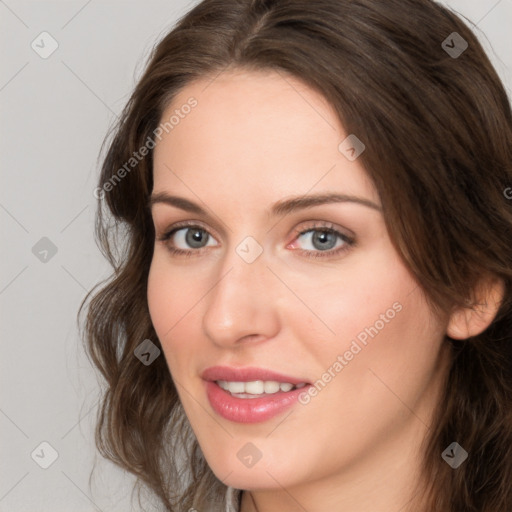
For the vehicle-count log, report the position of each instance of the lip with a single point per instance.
(247, 374)
(249, 410)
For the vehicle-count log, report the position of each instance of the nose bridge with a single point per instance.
(240, 303)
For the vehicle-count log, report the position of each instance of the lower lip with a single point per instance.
(250, 410)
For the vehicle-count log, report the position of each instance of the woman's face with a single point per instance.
(334, 307)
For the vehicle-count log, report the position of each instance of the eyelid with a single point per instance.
(329, 226)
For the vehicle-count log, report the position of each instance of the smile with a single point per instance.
(250, 395)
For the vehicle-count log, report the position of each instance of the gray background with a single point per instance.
(55, 113)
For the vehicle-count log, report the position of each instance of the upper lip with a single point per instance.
(247, 374)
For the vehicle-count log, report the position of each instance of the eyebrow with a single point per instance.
(280, 208)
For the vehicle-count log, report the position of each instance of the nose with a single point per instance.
(243, 304)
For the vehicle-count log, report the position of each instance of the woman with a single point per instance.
(312, 309)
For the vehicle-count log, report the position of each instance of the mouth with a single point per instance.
(250, 395)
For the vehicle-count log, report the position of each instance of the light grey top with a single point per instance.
(230, 502)
(233, 499)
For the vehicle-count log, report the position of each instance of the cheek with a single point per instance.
(382, 364)
(369, 390)
(174, 298)
(365, 294)
(383, 327)
(168, 302)
(170, 293)
(158, 295)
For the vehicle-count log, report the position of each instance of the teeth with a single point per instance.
(234, 387)
(271, 386)
(257, 387)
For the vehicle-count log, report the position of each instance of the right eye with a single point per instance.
(188, 235)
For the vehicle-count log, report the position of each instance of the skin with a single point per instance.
(256, 138)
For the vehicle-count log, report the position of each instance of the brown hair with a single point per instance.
(438, 136)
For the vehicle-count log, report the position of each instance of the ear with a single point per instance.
(473, 319)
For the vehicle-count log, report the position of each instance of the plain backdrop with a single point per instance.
(55, 112)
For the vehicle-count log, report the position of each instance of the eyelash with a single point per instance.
(323, 227)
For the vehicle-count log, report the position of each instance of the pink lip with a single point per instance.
(248, 374)
(248, 410)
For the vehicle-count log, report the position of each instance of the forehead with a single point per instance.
(256, 132)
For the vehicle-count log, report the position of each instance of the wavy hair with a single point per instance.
(438, 134)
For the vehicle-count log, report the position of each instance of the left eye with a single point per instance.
(323, 239)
